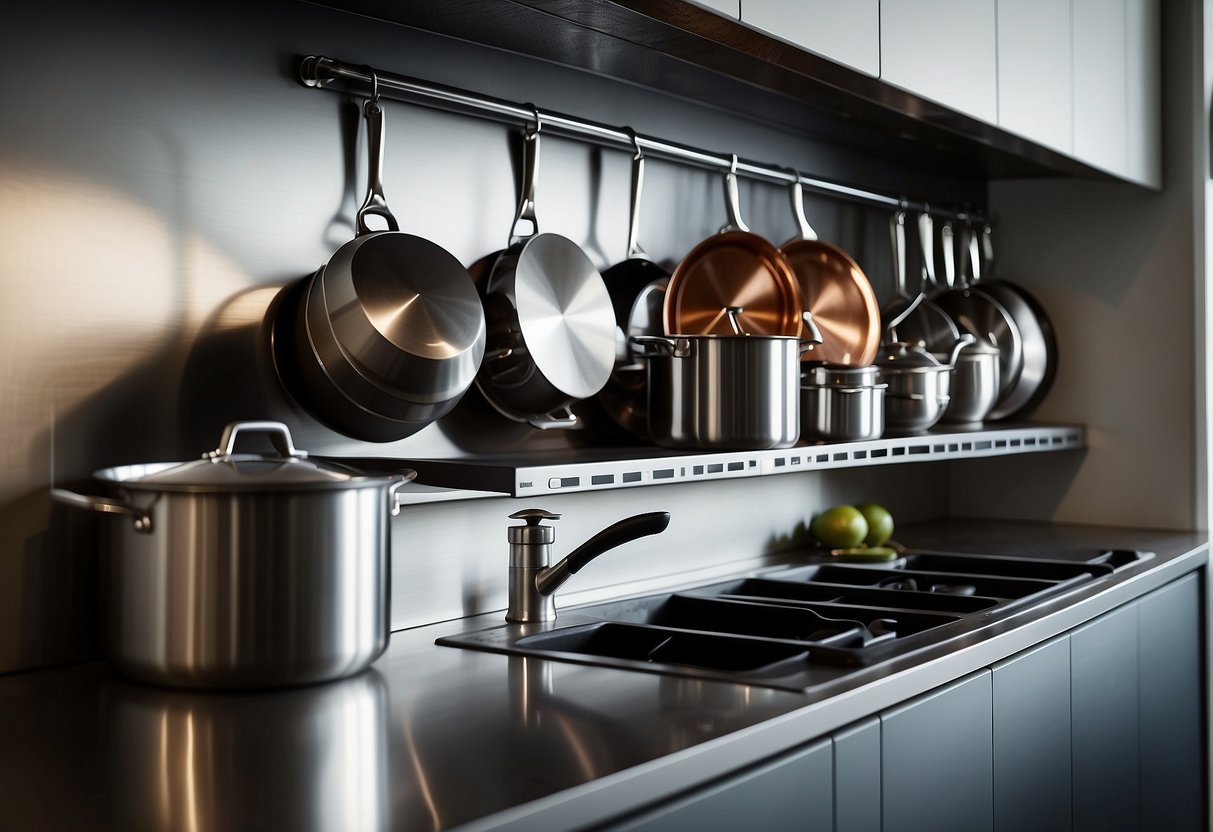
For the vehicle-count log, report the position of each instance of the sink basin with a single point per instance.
(797, 627)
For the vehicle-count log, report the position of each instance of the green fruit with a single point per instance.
(880, 523)
(841, 527)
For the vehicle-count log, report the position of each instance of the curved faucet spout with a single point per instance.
(625, 531)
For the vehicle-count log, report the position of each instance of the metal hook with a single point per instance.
(374, 86)
(635, 144)
(534, 129)
(733, 166)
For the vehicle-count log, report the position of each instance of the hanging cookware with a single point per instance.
(637, 287)
(245, 570)
(1035, 328)
(737, 392)
(978, 312)
(841, 403)
(393, 323)
(836, 291)
(738, 269)
(919, 384)
(551, 326)
(918, 319)
(974, 386)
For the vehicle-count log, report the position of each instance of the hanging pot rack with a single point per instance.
(321, 72)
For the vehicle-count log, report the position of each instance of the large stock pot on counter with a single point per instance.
(245, 570)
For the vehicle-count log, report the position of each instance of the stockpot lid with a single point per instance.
(903, 355)
(222, 470)
(840, 375)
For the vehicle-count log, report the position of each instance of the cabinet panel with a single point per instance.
(848, 33)
(1035, 77)
(1100, 79)
(1031, 693)
(1143, 27)
(944, 50)
(1172, 751)
(1103, 683)
(794, 792)
(857, 778)
(936, 767)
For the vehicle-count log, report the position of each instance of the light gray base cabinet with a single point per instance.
(1100, 729)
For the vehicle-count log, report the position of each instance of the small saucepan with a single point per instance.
(245, 570)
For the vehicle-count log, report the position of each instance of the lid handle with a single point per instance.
(532, 516)
(278, 433)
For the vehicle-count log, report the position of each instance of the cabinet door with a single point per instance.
(1032, 739)
(944, 50)
(1035, 78)
(1104, 713)
(794, 792)
(1170, 710)
(1100, 80)
(936, 768)
(857, 778)
(1143, 26)
(848, 33)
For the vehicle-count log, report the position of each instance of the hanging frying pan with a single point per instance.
(733, 269)
(980, 313)
(637, 287)
(836, 293)
(1039, 341)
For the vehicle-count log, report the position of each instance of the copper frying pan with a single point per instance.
(836, 293)
(733, 269)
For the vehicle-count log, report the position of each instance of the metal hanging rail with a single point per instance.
(320, 72)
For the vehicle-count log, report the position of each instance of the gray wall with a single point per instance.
(163, 176)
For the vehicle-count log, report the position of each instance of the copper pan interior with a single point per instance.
(733, 269)
(841, 299)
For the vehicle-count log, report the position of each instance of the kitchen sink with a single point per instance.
(797, 627)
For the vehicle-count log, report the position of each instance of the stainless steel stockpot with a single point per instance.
(736, 392)
(245, 570)
(919, 384)
(841, 403)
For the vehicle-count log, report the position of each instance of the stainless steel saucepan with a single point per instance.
(245, 570)
(551, 325)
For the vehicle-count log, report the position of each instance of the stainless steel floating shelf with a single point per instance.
(610, 468)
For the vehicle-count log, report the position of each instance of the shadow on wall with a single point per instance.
(996, 487)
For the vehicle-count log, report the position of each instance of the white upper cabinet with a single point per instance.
(1035, 75)
(945, 50)
(848, 33)
(1143, 34)
(732, 8)
(1101, 120)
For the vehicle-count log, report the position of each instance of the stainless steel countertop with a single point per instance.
(437, 738)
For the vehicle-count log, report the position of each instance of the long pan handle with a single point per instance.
(375, 203)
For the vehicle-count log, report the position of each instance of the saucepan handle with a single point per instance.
(375, 203)
(813, 336)
(393, 489)
(554, 421)
(647, 346)
(143, 520)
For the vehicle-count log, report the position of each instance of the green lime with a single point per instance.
(841, 527)
(880, 523)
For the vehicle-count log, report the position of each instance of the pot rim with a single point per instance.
(130, 476)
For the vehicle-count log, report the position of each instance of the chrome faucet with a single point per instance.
(533, 583)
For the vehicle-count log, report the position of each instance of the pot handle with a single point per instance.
(814, 337)
(375, 202)
(648, 346)
(393, 489)
(732, 201)
(279, 434)
(554, 420)
(961, 342)
(526, 225)
(143, 520)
